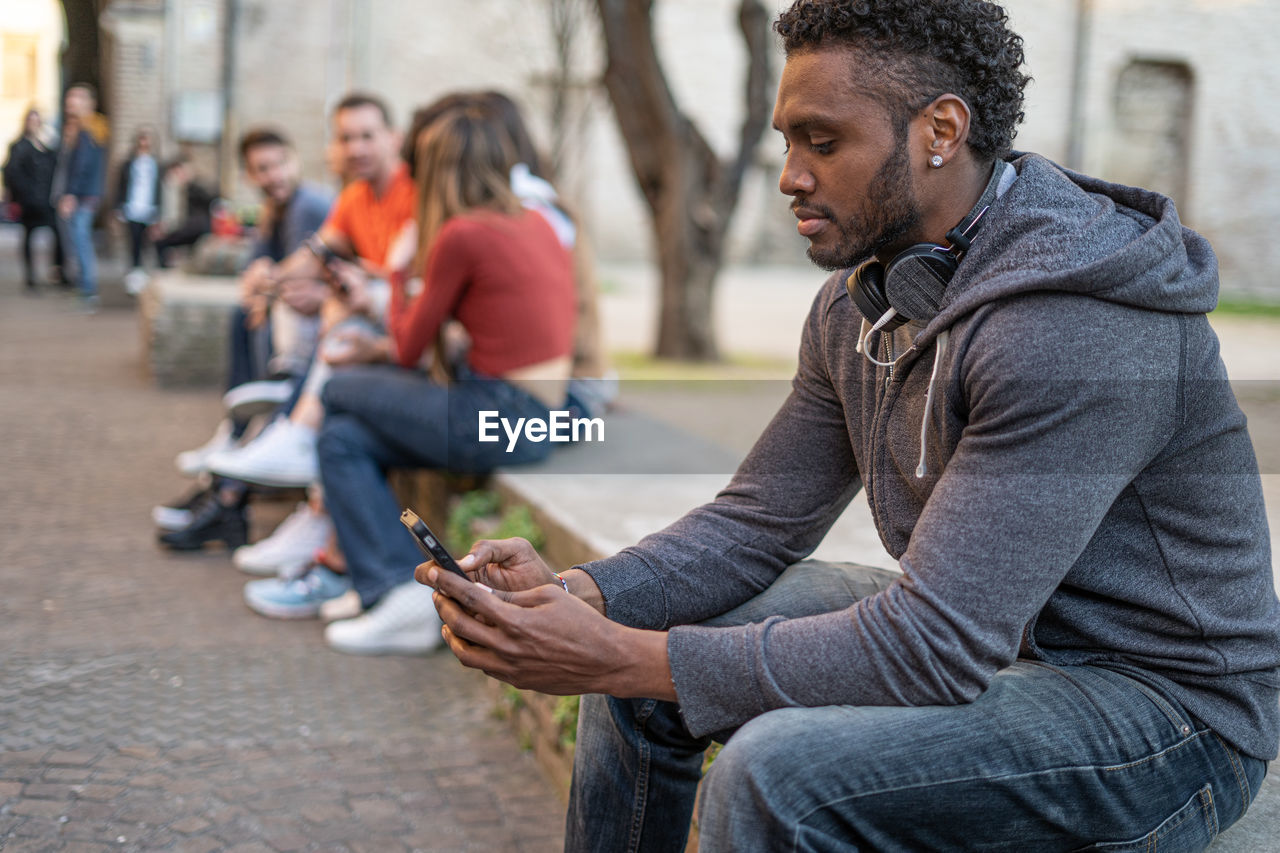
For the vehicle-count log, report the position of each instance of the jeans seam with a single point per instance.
(642, 782)
(1237, 768)
(1209, 812)
(1106, 768)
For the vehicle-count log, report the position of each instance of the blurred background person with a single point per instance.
(78, 179)
(270, 348)
(500, 270)
(28, 181)
(138, 191)
(197, 217)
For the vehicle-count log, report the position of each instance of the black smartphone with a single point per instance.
(429, 544)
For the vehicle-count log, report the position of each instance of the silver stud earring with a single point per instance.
(936, 161)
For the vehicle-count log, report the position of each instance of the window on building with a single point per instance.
(1154, 101)
(19, 74)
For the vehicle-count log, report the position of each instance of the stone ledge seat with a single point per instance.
(184, 323)
(590, 503)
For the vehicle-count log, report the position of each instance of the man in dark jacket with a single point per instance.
(78, 180)
(28, 179)
(1082, 647)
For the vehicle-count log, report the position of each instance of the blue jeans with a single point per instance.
(80, 234)
(1048, 758)
(248, 350)
(382, 417)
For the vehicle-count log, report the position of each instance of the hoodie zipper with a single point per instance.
(888, 357)
(876, 421)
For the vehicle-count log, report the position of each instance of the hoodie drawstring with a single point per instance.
(865, 332)
(923, 468)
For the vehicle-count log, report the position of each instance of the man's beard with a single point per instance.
(889, 214)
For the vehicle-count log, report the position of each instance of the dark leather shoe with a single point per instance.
(211, 522)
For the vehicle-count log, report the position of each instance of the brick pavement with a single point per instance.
(142, 706)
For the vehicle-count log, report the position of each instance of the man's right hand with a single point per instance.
(257, 281)
(513, 565)
(510, 564)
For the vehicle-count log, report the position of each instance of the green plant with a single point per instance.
(1248, 306)
(467, 515)
(565, 716)
(509, 701)
(710, 756)
(476, 515)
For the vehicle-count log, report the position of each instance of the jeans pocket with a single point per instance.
(1191, 828)
(1183, 724)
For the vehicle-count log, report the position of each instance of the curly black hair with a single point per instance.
(921, 49)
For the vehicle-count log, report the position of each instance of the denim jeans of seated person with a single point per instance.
(382, 417)
(1048, 758)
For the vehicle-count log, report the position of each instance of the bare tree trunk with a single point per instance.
(691, 194)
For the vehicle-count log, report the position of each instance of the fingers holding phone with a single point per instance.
(304, 295)
(350, 283)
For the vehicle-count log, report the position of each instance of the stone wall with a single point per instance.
(294, 59)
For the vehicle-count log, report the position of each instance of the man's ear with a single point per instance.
(945, 127)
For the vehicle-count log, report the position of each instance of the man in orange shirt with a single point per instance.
(367, 217)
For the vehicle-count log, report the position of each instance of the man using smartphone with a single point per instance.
(368, 216)
(1083, 645)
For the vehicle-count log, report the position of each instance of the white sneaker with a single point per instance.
(250, 399)
(345, 606)
(290, 548)
(284, 455)
(195, 462)
(135, 281)
(404, 622)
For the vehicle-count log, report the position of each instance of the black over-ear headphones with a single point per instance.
(913, 282)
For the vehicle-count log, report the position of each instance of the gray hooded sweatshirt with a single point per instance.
(1078, 488)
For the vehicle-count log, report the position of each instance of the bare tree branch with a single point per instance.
(753, 19)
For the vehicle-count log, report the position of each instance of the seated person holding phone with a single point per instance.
(270, 344)
(364, 221)
(1082, 648)
(319, 591)
(500, 271)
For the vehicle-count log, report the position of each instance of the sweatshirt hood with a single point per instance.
(1083, 235)
(1076, 234)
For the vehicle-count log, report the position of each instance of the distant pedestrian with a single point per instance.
(197, 219)
(78, 181)
(138, 201)
(28, 178)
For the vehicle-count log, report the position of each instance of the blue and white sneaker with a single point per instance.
(299, 598)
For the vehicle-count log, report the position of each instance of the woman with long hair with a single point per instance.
(499, 270)
(28, 179)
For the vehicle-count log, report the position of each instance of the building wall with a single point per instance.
(1233, 173)
(294, 59)
(31, 33)
(134, 37)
